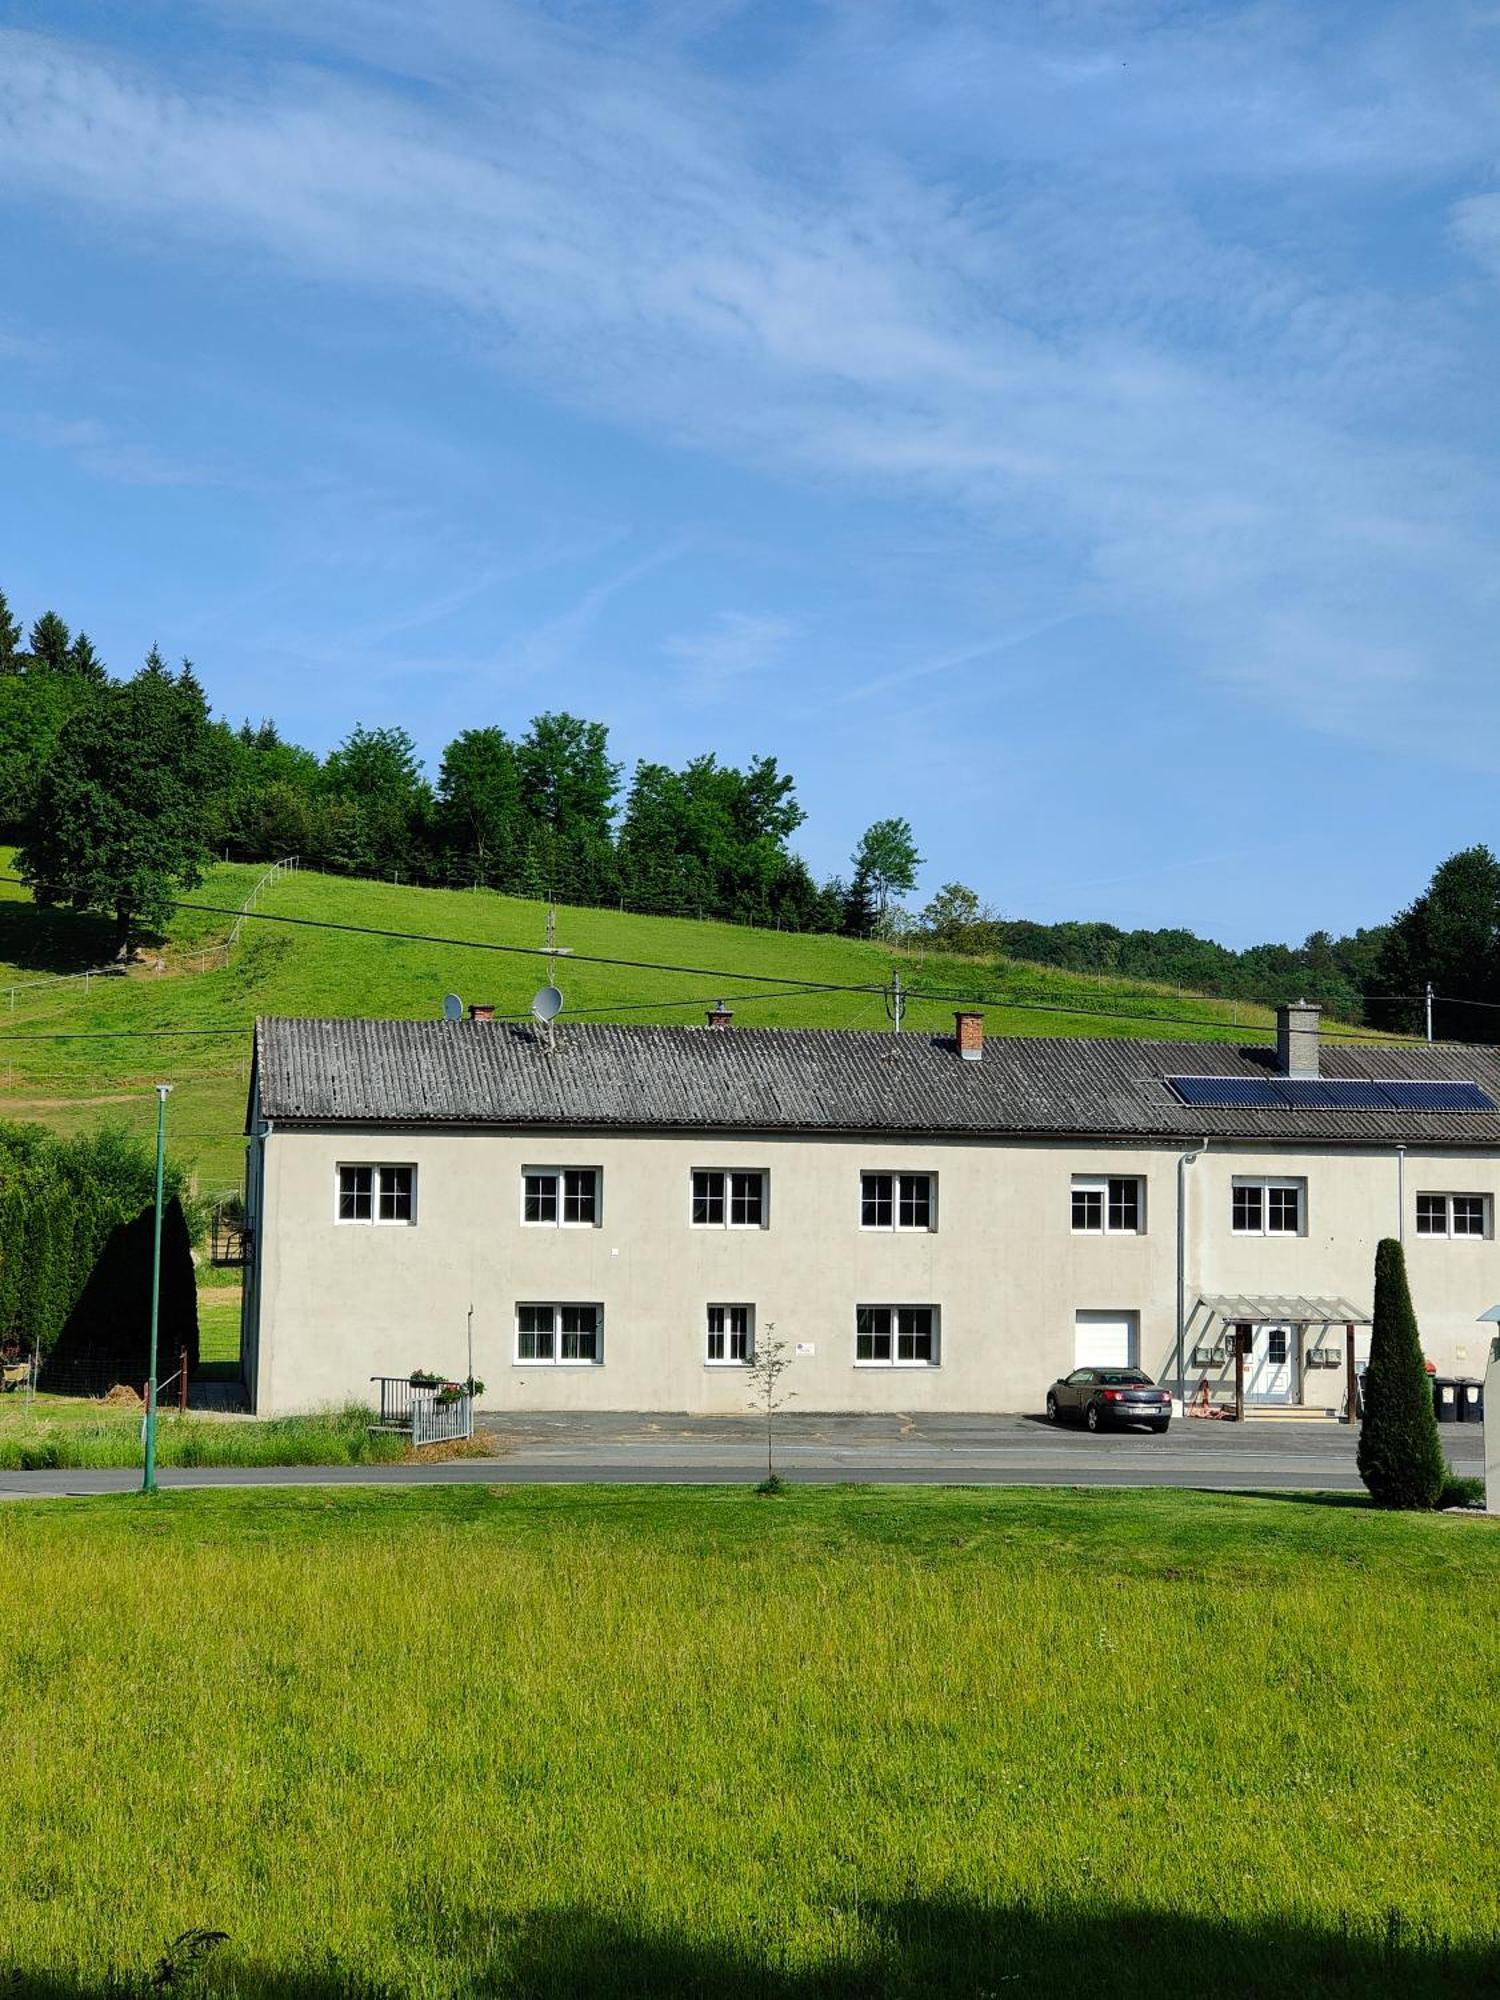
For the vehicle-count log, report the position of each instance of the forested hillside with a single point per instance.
(544, 811)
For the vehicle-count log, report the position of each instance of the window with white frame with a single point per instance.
(560, 1197)
(1453, 1215)
(377, 1194)
(1107, 1205)
(897, 1201)
(731, 1335)
(1267, 1208)
(560, 1335)
(729, 1199)
(896, 1336)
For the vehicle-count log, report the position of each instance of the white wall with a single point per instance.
(340, 1303)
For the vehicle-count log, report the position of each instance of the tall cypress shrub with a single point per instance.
(1400, 1455)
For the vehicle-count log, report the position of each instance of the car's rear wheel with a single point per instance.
(1093, 1418)
(1160, 1430)
(1054, 1415)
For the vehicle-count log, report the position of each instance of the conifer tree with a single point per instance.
(10, 640)
(1400, 1455)
(121, 814)
(84, 663)
(49, 643)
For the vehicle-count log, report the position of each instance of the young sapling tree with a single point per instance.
(770, 1362)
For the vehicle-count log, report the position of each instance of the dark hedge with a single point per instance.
(75, 1257)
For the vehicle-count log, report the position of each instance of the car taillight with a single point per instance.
(1113, 1395)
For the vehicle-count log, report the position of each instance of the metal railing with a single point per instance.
(437, 1414)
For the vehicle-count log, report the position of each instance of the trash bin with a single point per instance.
(1445, 1399)
(1470, 1398)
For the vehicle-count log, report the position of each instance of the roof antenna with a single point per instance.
(895, 1002)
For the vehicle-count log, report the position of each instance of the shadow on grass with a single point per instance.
(912, 1950)
(53, 941)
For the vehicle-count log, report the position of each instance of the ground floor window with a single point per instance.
(731, 1334)
(896, 1336)
(558, 1334)
(377, 1194)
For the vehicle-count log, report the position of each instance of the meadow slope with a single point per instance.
(209, 1006)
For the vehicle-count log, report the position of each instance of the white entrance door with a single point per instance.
(1106, 1339)
(1270, 1376)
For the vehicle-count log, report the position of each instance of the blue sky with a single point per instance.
(1072, 426)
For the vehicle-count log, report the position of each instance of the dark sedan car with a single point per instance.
(1104, 1397)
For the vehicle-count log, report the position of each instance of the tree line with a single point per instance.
(121, 791)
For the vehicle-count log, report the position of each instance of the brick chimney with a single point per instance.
(1297, 1038)
(968, 1032)
(484, 1012)
(720, 1017)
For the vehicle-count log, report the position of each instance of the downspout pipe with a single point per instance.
(1184, 1161)
(1400, 1194)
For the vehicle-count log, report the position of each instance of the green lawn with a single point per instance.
(850, 1742)
(66, 1083)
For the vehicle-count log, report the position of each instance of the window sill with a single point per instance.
(902, 1367)
(557, 1364)
(735, 1366)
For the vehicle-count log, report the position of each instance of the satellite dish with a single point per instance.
(453, 1007)
(547, 1004)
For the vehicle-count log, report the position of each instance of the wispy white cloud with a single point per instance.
(1036, 317)
(716, 659)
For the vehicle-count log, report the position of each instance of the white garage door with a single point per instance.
(1106, 1339)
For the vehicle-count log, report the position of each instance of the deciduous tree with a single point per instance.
(887, 858)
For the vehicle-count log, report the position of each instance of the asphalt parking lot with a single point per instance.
(1256, 1456)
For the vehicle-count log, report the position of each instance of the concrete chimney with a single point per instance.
(720, 1017)
(968, 1032)
(1297, 1038)
(482, 1013)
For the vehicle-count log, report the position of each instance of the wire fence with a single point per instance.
(214, 955)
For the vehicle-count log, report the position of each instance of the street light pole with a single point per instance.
(148, 1484)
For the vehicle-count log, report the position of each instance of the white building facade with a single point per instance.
(930, 1225)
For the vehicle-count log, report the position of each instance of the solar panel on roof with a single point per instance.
(1411, 1096)
(1353, 1094)
(1327, 1093)
(1307, 1093)
(1228, 1092)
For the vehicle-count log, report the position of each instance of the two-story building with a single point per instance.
(939, 1224)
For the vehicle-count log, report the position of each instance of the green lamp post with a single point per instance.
(148, 1483)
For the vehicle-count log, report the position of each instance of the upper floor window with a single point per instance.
(896, 1336)
(557, 1335)
(729, 1200)
(1453, 1215)
(1107, 1207)
(377, 1194)
(561, 1197)
(896, 1201)
(1267, 1208)
(731, 1334)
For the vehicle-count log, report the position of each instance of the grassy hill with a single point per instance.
(65, 1060)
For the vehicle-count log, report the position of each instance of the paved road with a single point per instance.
(1000, 1450)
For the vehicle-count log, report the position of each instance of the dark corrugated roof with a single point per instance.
(815, 1080)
